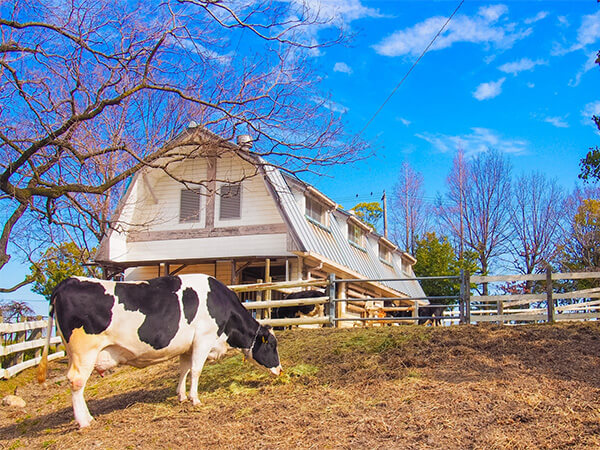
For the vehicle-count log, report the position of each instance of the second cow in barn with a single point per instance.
(106, 323)
(285, 312)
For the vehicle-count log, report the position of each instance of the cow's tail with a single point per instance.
(43, 365)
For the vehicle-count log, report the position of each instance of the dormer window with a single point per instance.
(356, 235)
(316, 211)
(385, 254)
(386, 248)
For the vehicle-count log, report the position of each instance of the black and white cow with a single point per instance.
(106, 323)
(436, 312)
(285, 312)
(296, 311)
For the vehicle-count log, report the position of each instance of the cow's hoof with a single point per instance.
(85, 423)
(196, 401)
(182, 398)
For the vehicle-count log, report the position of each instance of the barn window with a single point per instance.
(356, 235)
(230, 202)
(315, 210)
(189, 205)
(385, 254)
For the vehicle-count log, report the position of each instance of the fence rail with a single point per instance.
(19, 341)
(21, 344)
(502, 308)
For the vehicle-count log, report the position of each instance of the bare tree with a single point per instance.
(484, 220)
(536, 222)
(409, 211)
(92, 92)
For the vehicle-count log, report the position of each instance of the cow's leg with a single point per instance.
(200, 352)
(79, 371)
(83, 352)
(185, 364)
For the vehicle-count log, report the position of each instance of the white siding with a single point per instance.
(217, 247)
(257, 205)
(158, 205)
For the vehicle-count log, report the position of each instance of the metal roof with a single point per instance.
(331, 241)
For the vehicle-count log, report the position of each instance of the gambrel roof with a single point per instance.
(328, 244)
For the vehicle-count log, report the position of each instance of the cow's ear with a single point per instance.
(268, 327)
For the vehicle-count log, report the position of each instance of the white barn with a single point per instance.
(241, 220)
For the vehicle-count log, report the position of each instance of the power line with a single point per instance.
(411, 68)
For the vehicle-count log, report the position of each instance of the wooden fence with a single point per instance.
(469, 308)
(516, 308)
(21, 343)
(21, 346)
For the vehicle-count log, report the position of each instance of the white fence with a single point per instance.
(516, 307)
(20, 340)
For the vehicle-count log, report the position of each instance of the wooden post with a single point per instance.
(37, 334)
(549, 298)
(259, 298)
(341, 294)
(19, 337)
(415, 311)
(468, 297)
(500, 311)
(331, 304)
(268, 294)
(461, 300)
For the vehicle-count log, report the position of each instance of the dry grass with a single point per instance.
(393, 387)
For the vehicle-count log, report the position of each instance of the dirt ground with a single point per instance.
(409, 387)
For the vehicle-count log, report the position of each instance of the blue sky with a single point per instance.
(515, 75)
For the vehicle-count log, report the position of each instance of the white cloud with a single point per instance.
(404, 121)
(530, 85)
(336, 11)
(589, 31)
(521, 65)
(331, 105)
(478, 141)
(539, 16)
(481, 28)
(489, 90)
(587, 34)
(342, 67)
(590, 63)
(558, 122)
(563, 21)
(589, 110)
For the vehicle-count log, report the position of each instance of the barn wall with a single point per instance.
(217, 247)
(257, 205)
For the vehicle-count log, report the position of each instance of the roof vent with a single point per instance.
(244, 141)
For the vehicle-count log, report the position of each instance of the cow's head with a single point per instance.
(264, 350)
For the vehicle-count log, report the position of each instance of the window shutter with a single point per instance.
(189, 205)
(230, 202)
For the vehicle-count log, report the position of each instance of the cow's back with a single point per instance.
(82, 303)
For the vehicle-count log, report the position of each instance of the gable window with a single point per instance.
(315, 211)
(230, 202)
(356, 235)
(189, 205)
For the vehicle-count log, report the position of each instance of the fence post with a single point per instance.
(332, 308)
(37, 334)
(549, 298)
(468, 297)
(415, 311)
(461, 300)
(260, 313)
